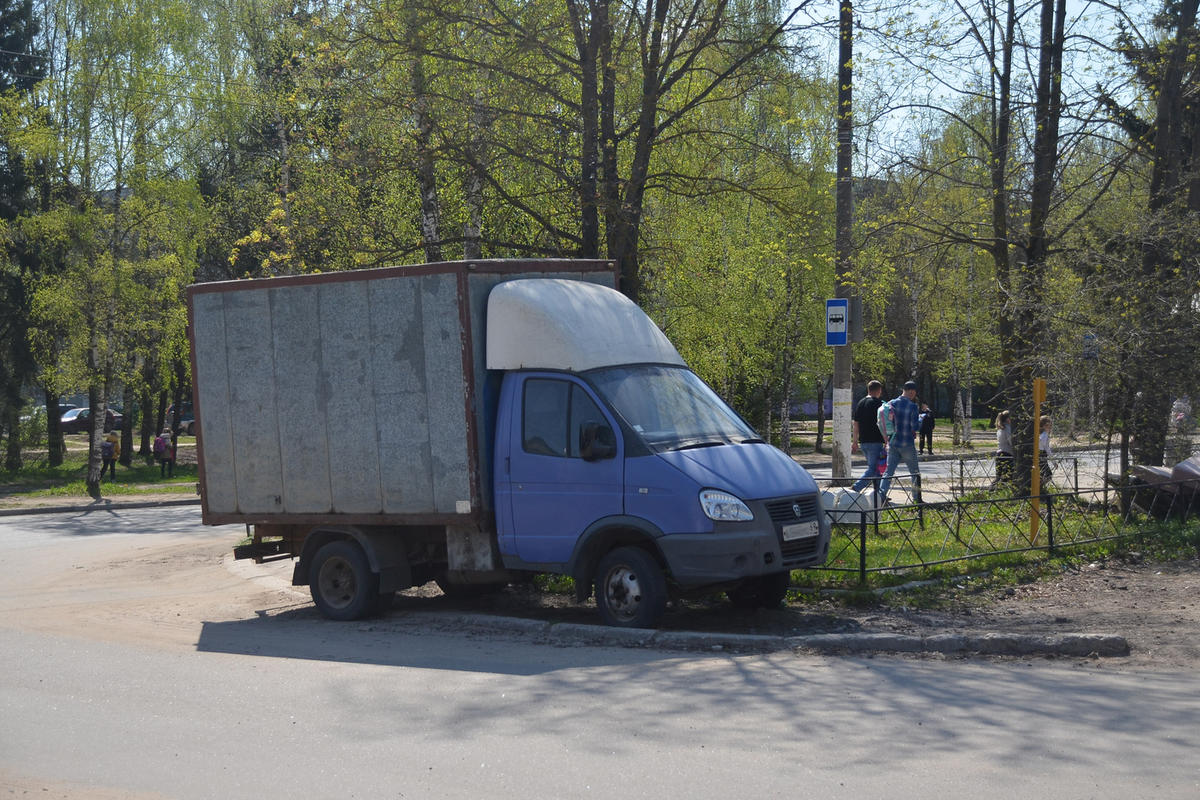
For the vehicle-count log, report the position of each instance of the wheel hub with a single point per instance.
(337, 582)
(623, 592)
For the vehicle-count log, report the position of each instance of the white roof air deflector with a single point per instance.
(570, 325)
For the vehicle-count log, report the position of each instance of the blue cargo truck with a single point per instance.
(474, 423)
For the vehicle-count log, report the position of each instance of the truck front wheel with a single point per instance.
(342, 584)
(631, 590)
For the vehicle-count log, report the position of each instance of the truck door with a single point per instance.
(556, 493)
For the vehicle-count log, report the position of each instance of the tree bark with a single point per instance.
(1031, 313)
(54, 436)
(431, 210)
(589, 27)
(1171, 195)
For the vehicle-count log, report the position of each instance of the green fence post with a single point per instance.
(1050, 523)
(862, 547)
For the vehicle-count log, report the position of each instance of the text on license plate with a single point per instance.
(800, 530)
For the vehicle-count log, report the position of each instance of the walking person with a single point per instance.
(902, 444)
(164, 454)
(867, 436)
(1044, 446)
(926, 420)
(110, 451)
(1004, 447)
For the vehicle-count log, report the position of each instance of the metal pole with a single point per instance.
(1050, 522)
(843, 357)
(1035, 475)
(862, 547)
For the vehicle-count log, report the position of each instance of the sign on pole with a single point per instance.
(837, 312)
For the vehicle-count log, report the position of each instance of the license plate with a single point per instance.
(800, 531)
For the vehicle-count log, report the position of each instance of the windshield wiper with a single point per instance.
(694, 445)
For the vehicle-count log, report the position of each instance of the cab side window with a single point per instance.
(553, 416)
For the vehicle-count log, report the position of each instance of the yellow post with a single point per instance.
(1035, 477)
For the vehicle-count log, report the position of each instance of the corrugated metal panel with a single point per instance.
(250, 364)
(347, 398)
(446, 390)
(401, 405)
(348, 395)
(212, 394)
(301, 415)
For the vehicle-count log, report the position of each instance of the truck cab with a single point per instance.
(617, 465)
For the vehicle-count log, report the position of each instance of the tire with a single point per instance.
(631, 590)
(342, 584)
(764, 591)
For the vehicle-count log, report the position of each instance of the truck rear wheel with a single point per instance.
(342, 584)
(763, 591)
(631, 590)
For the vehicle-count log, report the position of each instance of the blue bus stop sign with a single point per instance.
(837, 313)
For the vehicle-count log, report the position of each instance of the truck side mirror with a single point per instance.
(596, 441)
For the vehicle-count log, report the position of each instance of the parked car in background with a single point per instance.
(77, 420)
(40, 411)
(187, 418)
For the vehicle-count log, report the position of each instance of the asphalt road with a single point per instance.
(136, 663)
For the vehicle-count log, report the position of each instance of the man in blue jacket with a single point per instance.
(902, 443)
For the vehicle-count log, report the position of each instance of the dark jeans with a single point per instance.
(109, 465)
(926, 442)
(166, 468)
(1004, 467)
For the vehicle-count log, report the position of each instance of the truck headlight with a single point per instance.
(724, 507)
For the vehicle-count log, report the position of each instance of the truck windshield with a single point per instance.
(670, 408)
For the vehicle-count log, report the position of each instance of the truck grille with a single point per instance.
(783, 512)
(787, 511)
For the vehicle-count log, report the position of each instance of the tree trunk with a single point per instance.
(962, 433)
(431, 210)
(473, 188)
(1001, 135)
(55, 445)
(1031, 314)
(146, 432)
(96, 410)
(820, 446)
(1170, 180)
(12, 456)
(127, 427)
(589, 27)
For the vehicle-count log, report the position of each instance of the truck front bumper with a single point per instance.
(734, 551)
(698, 559)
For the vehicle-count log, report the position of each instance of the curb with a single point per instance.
(99, 505)
(1079, 645)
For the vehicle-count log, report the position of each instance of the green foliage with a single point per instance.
(199, 141)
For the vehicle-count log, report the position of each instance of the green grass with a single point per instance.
(902, 552)
(69, 479)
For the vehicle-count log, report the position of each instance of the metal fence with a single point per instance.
(1064, 473)
(980, 522)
